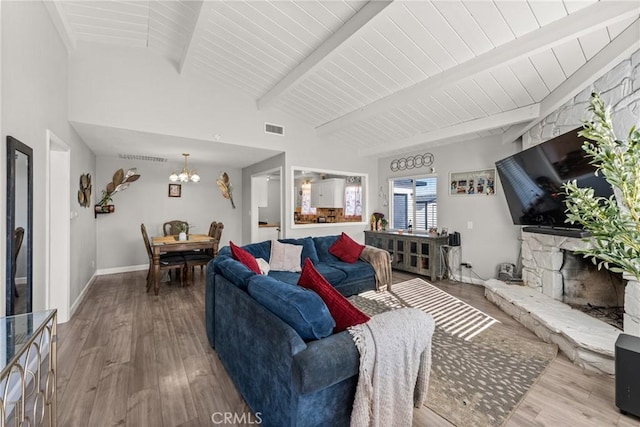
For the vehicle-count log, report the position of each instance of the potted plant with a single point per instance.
(104, 202)
(614, 223)
(183, 232)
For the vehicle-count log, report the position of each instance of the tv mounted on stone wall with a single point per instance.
(532, 183)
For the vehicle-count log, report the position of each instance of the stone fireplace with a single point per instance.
(539, 305)
(551, 267)
(586, 285)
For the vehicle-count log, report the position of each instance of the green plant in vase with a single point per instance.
(106, 198)
(614, 222)
(183, 229)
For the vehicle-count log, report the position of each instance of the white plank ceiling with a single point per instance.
(381, 76)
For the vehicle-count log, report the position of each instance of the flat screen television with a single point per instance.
(532, 182)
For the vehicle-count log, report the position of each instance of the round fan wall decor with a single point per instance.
(84, 193)
(411, 162)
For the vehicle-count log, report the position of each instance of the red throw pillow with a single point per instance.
(344, 313)
(347, 249)
(245, 257)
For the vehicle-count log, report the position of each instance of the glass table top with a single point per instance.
(17, 331)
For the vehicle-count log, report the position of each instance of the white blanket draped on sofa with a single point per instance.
(395, 360)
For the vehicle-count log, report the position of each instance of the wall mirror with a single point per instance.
(325, 197)
(19, 260)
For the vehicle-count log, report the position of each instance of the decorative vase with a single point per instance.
(182, 236)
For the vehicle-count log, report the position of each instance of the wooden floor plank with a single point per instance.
(75, 408)
(143, 408)
(174, 378)
(69, 351)
(144, 372)
(111, 396)
(175, 395)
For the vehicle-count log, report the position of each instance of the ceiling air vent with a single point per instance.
(142, 158)
(274, 129)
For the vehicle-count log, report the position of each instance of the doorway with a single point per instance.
(266, 205)
(58, 227)
(415, 203)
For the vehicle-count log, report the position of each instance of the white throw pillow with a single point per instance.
(264, 266)
(285, 257)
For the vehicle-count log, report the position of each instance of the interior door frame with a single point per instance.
(58, 227)
(254, 202)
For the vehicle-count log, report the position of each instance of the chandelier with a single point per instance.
(184, 175)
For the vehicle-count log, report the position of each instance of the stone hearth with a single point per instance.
(587, 341)
(543, 258)
(540, 303)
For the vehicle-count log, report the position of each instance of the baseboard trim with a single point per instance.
(468, 279)
(82, 296)
(126, 269)
(92, 280)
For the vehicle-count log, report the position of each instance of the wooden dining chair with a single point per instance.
(18, 236)
(194, 259)
(202, 258)
(173, 228)
(215, 231)
(167, 261)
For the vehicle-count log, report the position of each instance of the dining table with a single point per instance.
(166, 244)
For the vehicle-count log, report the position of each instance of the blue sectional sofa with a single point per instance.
(288, 381)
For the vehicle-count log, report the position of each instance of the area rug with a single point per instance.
(474, 382)
(451, 314)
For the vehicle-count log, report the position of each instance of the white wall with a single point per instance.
(493, 238)
(34, 99)
(121, 247)
(140, 90)
(134, 88)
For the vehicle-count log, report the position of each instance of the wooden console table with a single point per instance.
(28, 369)
(413, 252)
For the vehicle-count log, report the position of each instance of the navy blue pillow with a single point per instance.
(308, 248)
(233, 270)
(323, 243)
(259, 250)
(300, 308)
(224, 251)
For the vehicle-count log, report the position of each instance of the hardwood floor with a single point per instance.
(133, 359)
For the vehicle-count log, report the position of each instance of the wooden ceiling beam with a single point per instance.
(470, 138)
(198, 24)
(611, 55)
(584, 21)
(459, 130)
(318, 56)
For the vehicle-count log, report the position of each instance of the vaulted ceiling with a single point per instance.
(380, 76)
